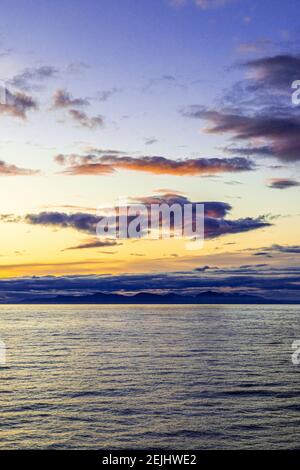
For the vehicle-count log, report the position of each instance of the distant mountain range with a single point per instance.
(208, 297)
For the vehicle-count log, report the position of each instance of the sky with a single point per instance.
(176, 100)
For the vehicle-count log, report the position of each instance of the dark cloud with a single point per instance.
(287, 249)
(267, 85)
(31, 78)
(202, 269)
(17, 104)
(283, 183)
(263, 253)
(276, 72)
(217, 227)
(250, 151)
(292, 249)
(93, 164)
(258, 110)
(211, 208)
(215, 223)
(263, 280)
(7, 169)
(79, 221)
(281, 134)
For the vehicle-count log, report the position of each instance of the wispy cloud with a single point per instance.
(258, 46)
(31, 78)
(207, 4)
(104, 95)
(151, 141)
(202, 4)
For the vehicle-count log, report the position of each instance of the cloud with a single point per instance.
(262, 150)
(93, 164)
(202, 269)
(283, 183)
(202, 4)
(217, 227)
(281, 134)
(287, 249)
(5, 52)
(258, 110)
(17, 104)
(104, 95)
(7, 169)
(63, 99)
(276, 72)
(82, 222)
(256, 46)
(86, 165)
(267, 281)
(93, 243)
(248, 47)
(76, 68)
(177, 3)
(292, 249)
(84, 120)
(105, 152)
(207, 4)
(30, 78)
(10, 218)
(211, 208)
(151, 141)
(215, 223)
(267, 85)
(263, 253)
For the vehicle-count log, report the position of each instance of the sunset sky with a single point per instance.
(188, 100)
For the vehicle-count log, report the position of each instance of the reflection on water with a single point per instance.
(187, 377)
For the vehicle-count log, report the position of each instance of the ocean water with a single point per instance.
(167, 377)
